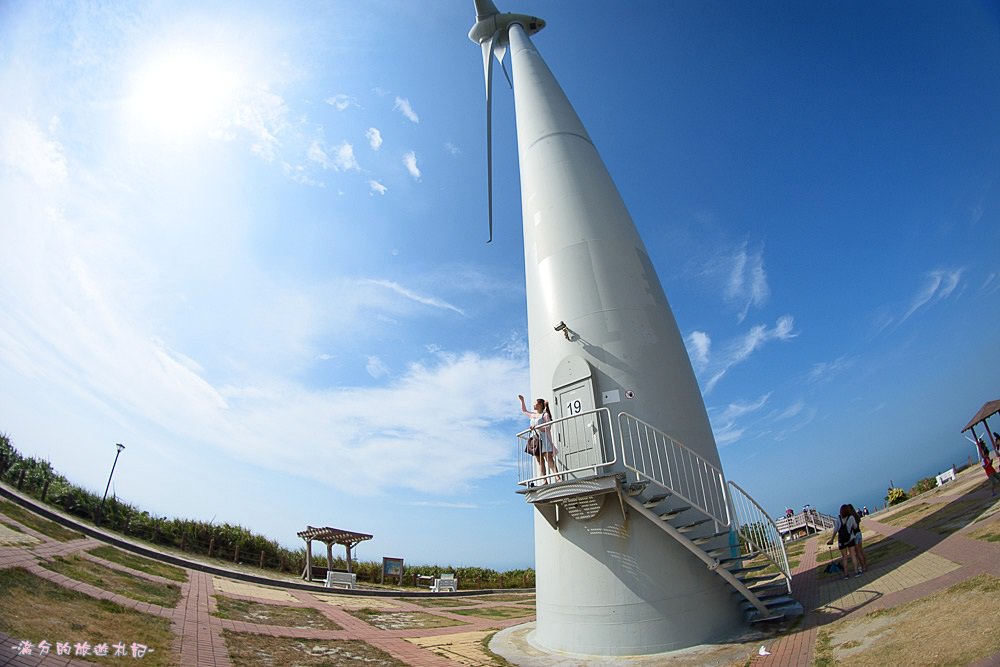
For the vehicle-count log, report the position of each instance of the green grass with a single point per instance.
(35, 522)
(137, 588)
(272, 614)
(139, 563)
(440, 602)
(34, 609)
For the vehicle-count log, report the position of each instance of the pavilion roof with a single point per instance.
(988, 410)
(333, 535)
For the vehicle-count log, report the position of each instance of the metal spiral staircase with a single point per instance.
(658, 478)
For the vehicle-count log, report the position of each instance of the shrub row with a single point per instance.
(225, 542)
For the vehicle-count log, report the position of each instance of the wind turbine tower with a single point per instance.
(640, 544)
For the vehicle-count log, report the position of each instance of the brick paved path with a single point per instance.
(940, 561)
(198, 634)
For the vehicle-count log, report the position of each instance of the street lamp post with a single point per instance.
(100, 512)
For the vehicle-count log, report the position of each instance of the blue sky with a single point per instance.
(247, 240)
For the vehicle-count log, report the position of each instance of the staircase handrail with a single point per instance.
(670, 464)
(759, 530)
(526, 463)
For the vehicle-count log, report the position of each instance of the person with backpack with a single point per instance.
(859, 552)
(845, 529)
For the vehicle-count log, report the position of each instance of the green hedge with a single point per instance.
(225, 542)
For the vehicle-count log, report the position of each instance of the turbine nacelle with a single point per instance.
(490, 32)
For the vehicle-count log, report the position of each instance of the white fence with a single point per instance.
(756, 528)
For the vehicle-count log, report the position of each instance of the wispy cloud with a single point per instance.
(402, 105)
(342, 158)
(939, 284)
(374, 138)
(442, 505)
(341, 102)
(26, 148)
(376, 188)
(699, 347)
(413, 296)
(747, 281)
(724, 423)
(376, 367)
(410, 161)
(826, 370)
(452, 149)
(736, 351)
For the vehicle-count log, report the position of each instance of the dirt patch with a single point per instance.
(929, 631)
(272, 614)
(402, 620)
(247, 650)
(496, 612)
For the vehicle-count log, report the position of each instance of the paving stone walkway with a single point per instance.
(938, 560)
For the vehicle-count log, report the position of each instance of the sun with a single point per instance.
(182, 93)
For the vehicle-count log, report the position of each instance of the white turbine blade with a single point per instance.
(500, 50)
(488, 72)
(485, 9)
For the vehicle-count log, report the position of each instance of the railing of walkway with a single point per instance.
(584, 446)
(652, 455)
(756, 528)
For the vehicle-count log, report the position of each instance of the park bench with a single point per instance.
(445, 582)
(341, 580)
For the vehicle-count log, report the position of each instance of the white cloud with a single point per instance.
(452, 148)
(740, 349)
(376, 367)
(342, 160)
(825, 370)
(413, 296)
(938, 285)
(410, 160)
(376, 187)
(402, 105)
(747, 281)
(374, 138)
(27, 149)
(724, 424)
(341, 102)
(699, 346)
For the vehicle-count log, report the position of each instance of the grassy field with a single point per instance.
(139, 563)
(137, 588)
(34, 609)
(402, 620)
(35, 522)
(246, 650)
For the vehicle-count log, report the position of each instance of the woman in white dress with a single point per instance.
(546, 452)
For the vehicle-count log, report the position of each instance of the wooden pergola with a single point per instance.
(330, 536)
(988, 410)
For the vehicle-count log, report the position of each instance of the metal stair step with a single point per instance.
(750, 568)
(670, 514)
(708, 538)
(789, 608)
(635, 488)
(749, 582)
(769, 601)
(652, 502)
(728, 559)
(691, 526)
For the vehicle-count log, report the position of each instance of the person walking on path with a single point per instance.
(991, 474)
(859, 552)
(545, 451)
(844, 529)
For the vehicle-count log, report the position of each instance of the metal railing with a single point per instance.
(584, 444)
(805, 519)
(756, 528)
(654, 456)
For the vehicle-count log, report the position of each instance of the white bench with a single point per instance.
(946, 476)
(341, 580)
(445, 582)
